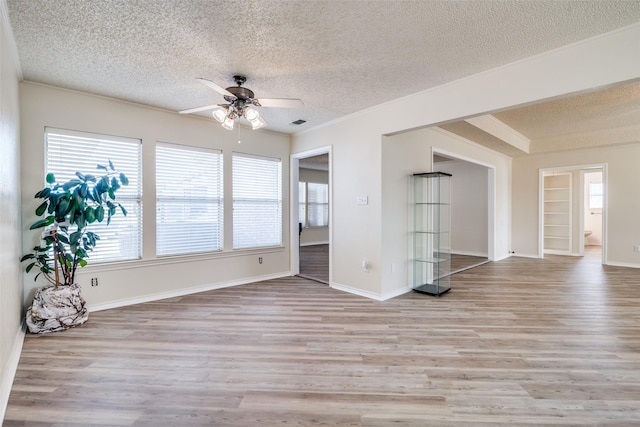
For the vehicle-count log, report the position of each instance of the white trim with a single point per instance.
(355, 291)
(9, 371)
(604, 167)
(546, 172)
(377, 297)
(624, 264)
(534, 256)
(395, 293)
(294, 236)
(561, 252)
(491, 196)
(186, 291)
(175, 259)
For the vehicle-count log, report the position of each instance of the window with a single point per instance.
(595, 195)
(318, 204)
(189, 200)
(314, 204)
(257, 201)
(302, 203)
(71, 151)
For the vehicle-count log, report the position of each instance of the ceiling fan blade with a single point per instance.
(197, 109)
(215, 87)
(279, 102)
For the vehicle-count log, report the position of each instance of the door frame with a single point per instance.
(294, 208)
(581, 169)
(491, 196)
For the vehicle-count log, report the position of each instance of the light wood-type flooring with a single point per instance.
(520, 342)
(314, 262)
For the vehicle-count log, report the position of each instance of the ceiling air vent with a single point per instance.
(298, 122)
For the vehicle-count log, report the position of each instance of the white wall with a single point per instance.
(358, 231)
(409, 153)
(469, 207)
(314, 235)
(11, 333)
(623, 206)
(150, 277)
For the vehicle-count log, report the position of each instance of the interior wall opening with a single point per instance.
(471, 199)
(573, 211)
(310, 215)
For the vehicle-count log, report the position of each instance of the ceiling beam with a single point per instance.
(502, 131)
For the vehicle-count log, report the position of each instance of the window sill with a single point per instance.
(178, 259)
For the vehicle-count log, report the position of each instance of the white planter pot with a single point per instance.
(56, 309)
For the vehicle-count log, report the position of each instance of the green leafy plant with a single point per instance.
(67, 211)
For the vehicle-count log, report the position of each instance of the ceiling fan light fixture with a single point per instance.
(251, 114)
(228, 123)
(257, 123)
(241, 102)
(220, 114)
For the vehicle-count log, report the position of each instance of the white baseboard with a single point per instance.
(371, 295)
(186, 291)
(9, 373)
(396, 293)
(623, 264)
(356, 291)
(521, 256)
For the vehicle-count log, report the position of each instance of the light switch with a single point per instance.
(363, 200)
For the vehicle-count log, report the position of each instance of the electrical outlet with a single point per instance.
(636, 248)
(260, 260)
(94, 281)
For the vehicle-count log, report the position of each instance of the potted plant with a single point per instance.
(66, 213)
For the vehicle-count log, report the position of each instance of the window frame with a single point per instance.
(306, 204)
(240, 223)
(68, 141)
(599, 195)
(216, 201)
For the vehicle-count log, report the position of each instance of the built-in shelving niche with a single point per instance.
(557, 213)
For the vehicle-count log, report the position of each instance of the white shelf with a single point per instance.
(557, 198)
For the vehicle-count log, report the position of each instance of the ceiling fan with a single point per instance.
(240, 104)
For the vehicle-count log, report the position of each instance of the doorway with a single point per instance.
(311, 215)
(471, 213)
(592, 212)
(573, 211)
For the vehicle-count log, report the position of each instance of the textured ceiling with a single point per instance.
(339, 57)
(582, 120)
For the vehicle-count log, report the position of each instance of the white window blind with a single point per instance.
(189, 200)
(71, 151)
(257, 201)
(318, 204)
